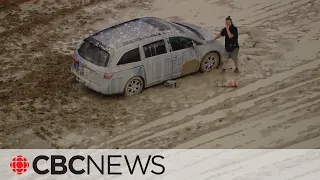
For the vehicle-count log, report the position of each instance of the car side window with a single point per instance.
(155, 48)
(130, 57)
(178, 43)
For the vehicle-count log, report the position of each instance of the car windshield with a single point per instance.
(93, 54)
(195, 32)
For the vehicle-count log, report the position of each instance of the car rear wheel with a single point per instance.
(209, 62)
(134, 86)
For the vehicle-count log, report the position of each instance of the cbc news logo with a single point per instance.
(59, 164)
(19, 164)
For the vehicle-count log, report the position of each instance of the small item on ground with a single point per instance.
(172, 83)
(228, 83)
(236, 71)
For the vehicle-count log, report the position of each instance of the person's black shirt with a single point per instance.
(230, 44)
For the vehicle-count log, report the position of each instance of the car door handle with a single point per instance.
(167, 59)
(175, 57)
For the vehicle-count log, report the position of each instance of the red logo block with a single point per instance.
(19, 164)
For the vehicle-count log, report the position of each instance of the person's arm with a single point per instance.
(217, 37)
(222, 33)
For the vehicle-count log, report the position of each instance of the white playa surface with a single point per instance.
(277, 103)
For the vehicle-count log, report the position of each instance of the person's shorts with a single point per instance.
(233, 54)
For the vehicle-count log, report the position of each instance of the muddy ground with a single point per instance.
(277, 103)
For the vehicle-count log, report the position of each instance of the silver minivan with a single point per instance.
(136, 54)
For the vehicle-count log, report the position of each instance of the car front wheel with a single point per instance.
(209, 62)
(134, 86)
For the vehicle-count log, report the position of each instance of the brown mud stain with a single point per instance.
(51, 79)
(190, 66)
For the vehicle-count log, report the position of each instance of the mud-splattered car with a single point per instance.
(136, 54)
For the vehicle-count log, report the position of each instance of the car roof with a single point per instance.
(132, 31)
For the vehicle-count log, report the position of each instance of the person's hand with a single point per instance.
(217, 36)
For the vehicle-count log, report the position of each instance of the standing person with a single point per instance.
(230, 32)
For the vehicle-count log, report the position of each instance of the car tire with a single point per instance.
(134, 86)
(210, 61)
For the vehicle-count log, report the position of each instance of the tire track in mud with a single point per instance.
(268, 124)
(270, 8)
(219, 111)
(221, 125)
(37, 18)
(216, 116)
(4, 4)
(274, 11)
(244, 92)
(264, 6)
(215, 126)
(278, 12)
(305, 143)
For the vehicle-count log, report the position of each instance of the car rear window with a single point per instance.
(93, 54)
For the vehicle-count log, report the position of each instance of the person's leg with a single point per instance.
(225, 63)
(234, 57)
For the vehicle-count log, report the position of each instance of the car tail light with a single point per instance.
(108, 76)
(74, 59)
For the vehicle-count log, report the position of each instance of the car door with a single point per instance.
(157, 62)
(185, 56)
